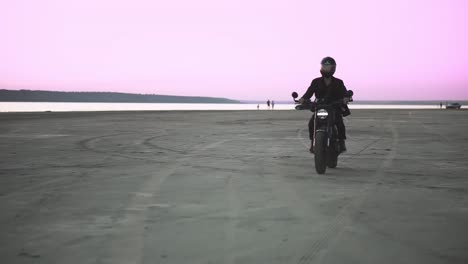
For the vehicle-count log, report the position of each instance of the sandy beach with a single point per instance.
(231, 187)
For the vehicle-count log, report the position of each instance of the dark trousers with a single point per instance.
(339, 125)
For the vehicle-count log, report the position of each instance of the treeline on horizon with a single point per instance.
(102, 97)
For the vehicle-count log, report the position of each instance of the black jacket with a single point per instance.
(335, 91)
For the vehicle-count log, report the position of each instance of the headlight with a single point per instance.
(322, 113)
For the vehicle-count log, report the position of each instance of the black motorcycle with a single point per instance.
(326, 144)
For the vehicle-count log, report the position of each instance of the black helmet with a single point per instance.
(328, 67)
(328, 61)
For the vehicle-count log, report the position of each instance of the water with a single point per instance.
(67, 107)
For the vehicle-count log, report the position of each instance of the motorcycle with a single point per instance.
(326, 144)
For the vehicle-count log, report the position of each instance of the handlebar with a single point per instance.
(309, 105)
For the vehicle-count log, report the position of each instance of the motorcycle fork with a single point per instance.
(315, 129)
(330, 123)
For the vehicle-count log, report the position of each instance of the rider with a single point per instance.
(332, 89)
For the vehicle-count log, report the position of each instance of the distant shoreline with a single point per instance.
(52, 113)
(103, 97)
(31, 96)
(464, 103)
(110, 106)
(377, 102)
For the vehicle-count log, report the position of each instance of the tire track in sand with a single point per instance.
(127, 242)
(346, 215)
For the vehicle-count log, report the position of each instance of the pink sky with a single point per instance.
(240, 49)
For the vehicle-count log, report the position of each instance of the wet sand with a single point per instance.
(231, 187)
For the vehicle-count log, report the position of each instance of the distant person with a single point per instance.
(258, 107)
(272, 104)
(268, 103)
(440, 105)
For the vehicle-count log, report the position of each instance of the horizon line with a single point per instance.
(241, 100)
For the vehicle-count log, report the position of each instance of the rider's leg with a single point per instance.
(311, 133)
(341, 130)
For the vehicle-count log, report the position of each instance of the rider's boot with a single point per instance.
(342, 145)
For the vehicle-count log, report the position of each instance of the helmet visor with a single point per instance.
(327, 68)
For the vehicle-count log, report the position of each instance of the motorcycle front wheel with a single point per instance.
(320, 152)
